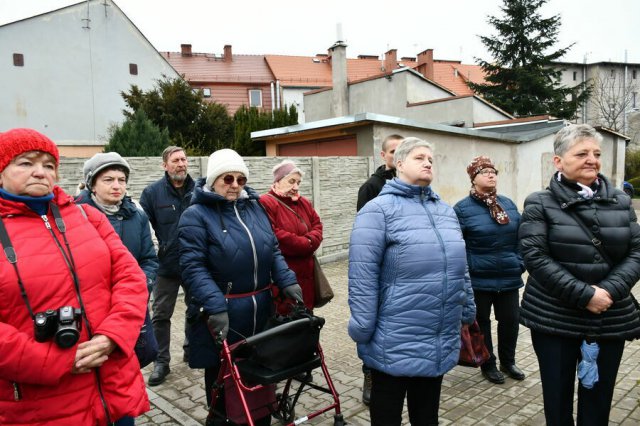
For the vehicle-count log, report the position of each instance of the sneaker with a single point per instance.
(366, 389)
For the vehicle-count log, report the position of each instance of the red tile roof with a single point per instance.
(205, 67)
(309, 71)
(454, 76)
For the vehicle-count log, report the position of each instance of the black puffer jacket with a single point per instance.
(563, 263)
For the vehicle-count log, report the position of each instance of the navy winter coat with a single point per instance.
(228, 247)
(164, 204)
(494, 261)
(132, 225)
(409, 290)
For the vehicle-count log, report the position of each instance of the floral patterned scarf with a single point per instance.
(490, 199)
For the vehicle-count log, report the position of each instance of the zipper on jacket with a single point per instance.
(17, 395)
(255, 265)
(16, 390)
(446, 266)
(229, 285)
(253, 247)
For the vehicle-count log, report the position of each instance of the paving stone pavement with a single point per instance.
(467, 399)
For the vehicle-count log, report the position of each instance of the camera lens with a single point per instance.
(67, 337)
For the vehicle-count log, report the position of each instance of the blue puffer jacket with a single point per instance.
(164, 204)
(227, 247)
(132, 225)
(409, 290)
(493, 256)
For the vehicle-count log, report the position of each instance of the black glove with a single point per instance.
(293, 292)
(218, 325)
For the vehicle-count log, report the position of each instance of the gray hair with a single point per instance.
(572, 134)
(407, 145)
(170, 150)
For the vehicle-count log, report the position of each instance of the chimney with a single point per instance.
(227, 53)
(390, 61)
(185, 49)
(425, 63)
(340, 92)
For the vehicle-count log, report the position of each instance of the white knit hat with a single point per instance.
(224, 161)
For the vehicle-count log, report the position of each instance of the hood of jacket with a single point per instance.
(384, 174)
(398, 187)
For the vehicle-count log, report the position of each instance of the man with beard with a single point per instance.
(164, 201)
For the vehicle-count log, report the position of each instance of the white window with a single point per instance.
(255, 98)
(206, 92)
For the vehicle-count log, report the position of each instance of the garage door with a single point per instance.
(341, 146)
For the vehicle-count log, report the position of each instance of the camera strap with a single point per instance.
(12, 257)
(68, 258)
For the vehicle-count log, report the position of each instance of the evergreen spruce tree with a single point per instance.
(247, 120)
(137, 137)
(521, 78)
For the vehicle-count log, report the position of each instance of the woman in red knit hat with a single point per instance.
(73, 300)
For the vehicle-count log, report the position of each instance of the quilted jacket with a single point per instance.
(298, 241)
(409, 289)
(563, 263)
(493, 255)
(132, 225)
(36, 384)
(227, 248)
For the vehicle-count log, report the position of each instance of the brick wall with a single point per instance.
(330, 183)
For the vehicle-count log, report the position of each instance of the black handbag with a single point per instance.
(146, 347)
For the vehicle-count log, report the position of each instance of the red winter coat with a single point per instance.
(36, 384)
(297, 241)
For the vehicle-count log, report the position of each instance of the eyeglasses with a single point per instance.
(228, 179)
(488, 172)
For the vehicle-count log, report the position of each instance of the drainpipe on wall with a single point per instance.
(272, 98)
(584, 79)
(624, 96)
(278, 94)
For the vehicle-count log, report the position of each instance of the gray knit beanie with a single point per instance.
(101, 161)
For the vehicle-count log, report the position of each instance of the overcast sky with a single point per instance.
(602, 30)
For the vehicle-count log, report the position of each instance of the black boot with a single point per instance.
(159, 374)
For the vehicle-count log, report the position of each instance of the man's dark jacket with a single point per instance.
(372, 187)
(164, 205)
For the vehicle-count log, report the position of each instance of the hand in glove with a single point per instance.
(218, 325)
(293, 292)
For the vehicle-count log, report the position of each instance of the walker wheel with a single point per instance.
(285, 412)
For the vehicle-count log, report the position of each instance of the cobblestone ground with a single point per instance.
(467, 399)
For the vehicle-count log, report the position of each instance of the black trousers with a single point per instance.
(505, 307)
(387, 399)
(558, 358)
(165, 294)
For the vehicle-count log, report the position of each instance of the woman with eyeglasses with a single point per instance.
(489, 224)
(229, 257)
(296, 224)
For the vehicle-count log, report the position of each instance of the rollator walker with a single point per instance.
(252, 368)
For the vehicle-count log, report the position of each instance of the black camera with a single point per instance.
(63, 325)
